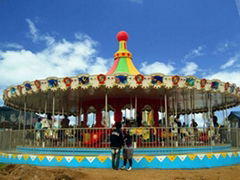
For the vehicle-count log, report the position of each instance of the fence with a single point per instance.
(143, 137)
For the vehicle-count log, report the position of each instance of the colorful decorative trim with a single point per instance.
(139, 78)
(182, 161)
(175, 80)
(121, 81)
(37, 83)
(67, 81)
(137, 151)
(203, 83)
(147, 81)
(101, 79)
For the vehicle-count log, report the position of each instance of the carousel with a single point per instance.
(148, 105)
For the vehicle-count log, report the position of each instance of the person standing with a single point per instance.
(38, 127)
(116, 143)
(215, 121)
(127, 151)
(194, 124)
(46, 122)
(65, 122)
(139, 119)
(64, 125)
(38, 124)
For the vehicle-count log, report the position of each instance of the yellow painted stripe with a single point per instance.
(132, 69)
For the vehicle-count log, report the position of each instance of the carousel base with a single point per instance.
(162, 158)
(107, 151)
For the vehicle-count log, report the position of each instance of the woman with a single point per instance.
(127, 150)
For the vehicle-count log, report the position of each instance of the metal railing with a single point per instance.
(143, 137)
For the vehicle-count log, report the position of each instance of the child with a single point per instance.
(127, 150)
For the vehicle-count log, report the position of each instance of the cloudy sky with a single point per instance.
(44, 38)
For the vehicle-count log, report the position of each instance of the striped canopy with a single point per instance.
(123, 58)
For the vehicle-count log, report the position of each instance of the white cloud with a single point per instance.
(190, 68)
(230, 62)
(9, 45)
(156, 67)
(33, 30)
(224, 47)
(238, 6)
(226, 76)
(59, 58)
(194, 53)
(63, 58)
(99, 66)
(36, 36)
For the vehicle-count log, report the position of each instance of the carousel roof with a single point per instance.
(185, 94)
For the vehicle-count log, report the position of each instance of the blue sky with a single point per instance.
(186, 37)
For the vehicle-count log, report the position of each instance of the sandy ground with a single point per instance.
(26, 172)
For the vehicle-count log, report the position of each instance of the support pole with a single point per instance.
(226, 113)
(173, 106)
(176, 100)
(211, 117)
(85, 121)
(98, 116)
(25, 116)
(204, 118)
(45, 108)
(63, 111)
(135, 115)
(77, 112)
(207, 105)
(166, 111)
(76, 120)
(191, 104)
(185, 108)
(131, 108)
(31, 119)
(108, 123)
(80, 116)
(24, 120)
(209, 110)
(53, 109)
(161, 111)
(19, 119)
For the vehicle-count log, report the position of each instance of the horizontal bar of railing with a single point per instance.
(183, 139)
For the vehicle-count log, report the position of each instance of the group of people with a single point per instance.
(121, 140)
(177, 123)
(43, 124)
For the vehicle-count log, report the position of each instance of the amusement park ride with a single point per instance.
(158, 144)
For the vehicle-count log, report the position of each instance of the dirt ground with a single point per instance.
(26, 172)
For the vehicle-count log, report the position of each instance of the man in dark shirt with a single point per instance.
(116, 143)
(65, 122)
(139, 120)
(178, 122)
(215, 121)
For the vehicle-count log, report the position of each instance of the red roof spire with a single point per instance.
(122, 36)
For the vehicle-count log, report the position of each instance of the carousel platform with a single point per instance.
(107, 151)
(161, 158)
